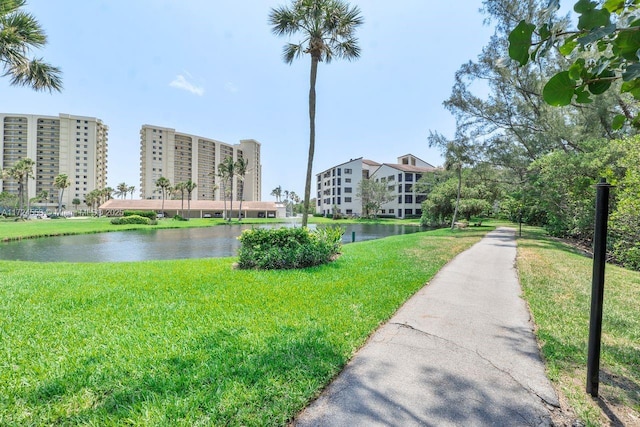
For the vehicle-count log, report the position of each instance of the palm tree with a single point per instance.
(180, 188)
(122, 190)
(229, 170)
(222, 176)
(76, 202)
(61, 182)
(328, 30)
(164, 184)
(19, 33)
(241, 171)
(277, 193)
(189, 186)
(132, 190)
(23, 170)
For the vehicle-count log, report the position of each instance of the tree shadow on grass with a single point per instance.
(219, 377)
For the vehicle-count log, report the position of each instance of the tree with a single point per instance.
(21, 172)
(456, 155)
(76, 202)
(165, 185)
(277, 193)
(229, 171)
(222, 176)
(19, 33)
(602, 50)
(132, 189)
(373, 195)
(61, 182)
(180, 188)
(327, 28)
(241, 171)
(189, 186)
(122, 190)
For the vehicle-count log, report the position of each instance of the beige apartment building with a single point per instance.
(63, 144)
(178, 156)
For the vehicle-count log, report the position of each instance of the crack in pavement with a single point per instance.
(486, 359)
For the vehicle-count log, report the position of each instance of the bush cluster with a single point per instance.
(147, 214)
(133, 219)
(286, 248)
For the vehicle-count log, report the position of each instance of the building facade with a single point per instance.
(64, 144)
(180, 157)
(337, 187)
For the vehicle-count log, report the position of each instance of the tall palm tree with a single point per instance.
(189, 186)
(229, 170)
(241, 171)
(23, 169)
(122, 190)
(164, 184)
(132, 189)
(19, 33)
(61, 182)
(222, 177)
(180, 188)
(277, 193)
(327, 28)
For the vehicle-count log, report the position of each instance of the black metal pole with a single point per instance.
(597, 286)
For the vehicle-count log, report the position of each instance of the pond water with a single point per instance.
(141, 245)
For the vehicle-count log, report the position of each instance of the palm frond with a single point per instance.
(292, 51)
(37, 74)
(22, 28)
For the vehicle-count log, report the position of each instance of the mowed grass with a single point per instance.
(557, 284)
(15, 230)
(195, 342)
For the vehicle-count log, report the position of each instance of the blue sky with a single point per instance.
(212, 68)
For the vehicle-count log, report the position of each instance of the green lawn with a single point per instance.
(12, 230)
(195, 342)
(557, 284)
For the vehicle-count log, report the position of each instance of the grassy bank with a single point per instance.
(194, 342)
(16, 230)
(557, 284)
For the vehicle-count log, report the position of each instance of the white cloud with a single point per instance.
(181, 82)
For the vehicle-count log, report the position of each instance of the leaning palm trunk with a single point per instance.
(312, 137)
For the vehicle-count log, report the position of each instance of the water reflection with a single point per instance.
(141, 245)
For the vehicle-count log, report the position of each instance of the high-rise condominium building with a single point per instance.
(66, 144)
(180, 157)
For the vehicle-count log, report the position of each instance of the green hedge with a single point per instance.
(147, 214)
(133, 219)
(286, 248)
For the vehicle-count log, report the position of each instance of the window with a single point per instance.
(408, 188)
(391, 187)
(347, 180)
(399, 199)
(391, 178)
(347, 199)
(408, 198)
(348, 171)
(408, 177)
(400, 188)
(399, 177)
(408, 212)
(392, 211)
(347, 189)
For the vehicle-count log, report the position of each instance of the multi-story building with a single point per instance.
(66, 144)
(180, 157)
(337, 187)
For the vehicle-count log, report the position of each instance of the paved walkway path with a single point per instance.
(461, 352)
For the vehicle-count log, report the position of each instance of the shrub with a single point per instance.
(147, 214)
(286, 248)
(133, 219)
(179, 218)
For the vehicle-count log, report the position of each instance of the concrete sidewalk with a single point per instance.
(461, 352)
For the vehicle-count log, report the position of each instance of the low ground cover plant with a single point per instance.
(285, 248)
(147, 214)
